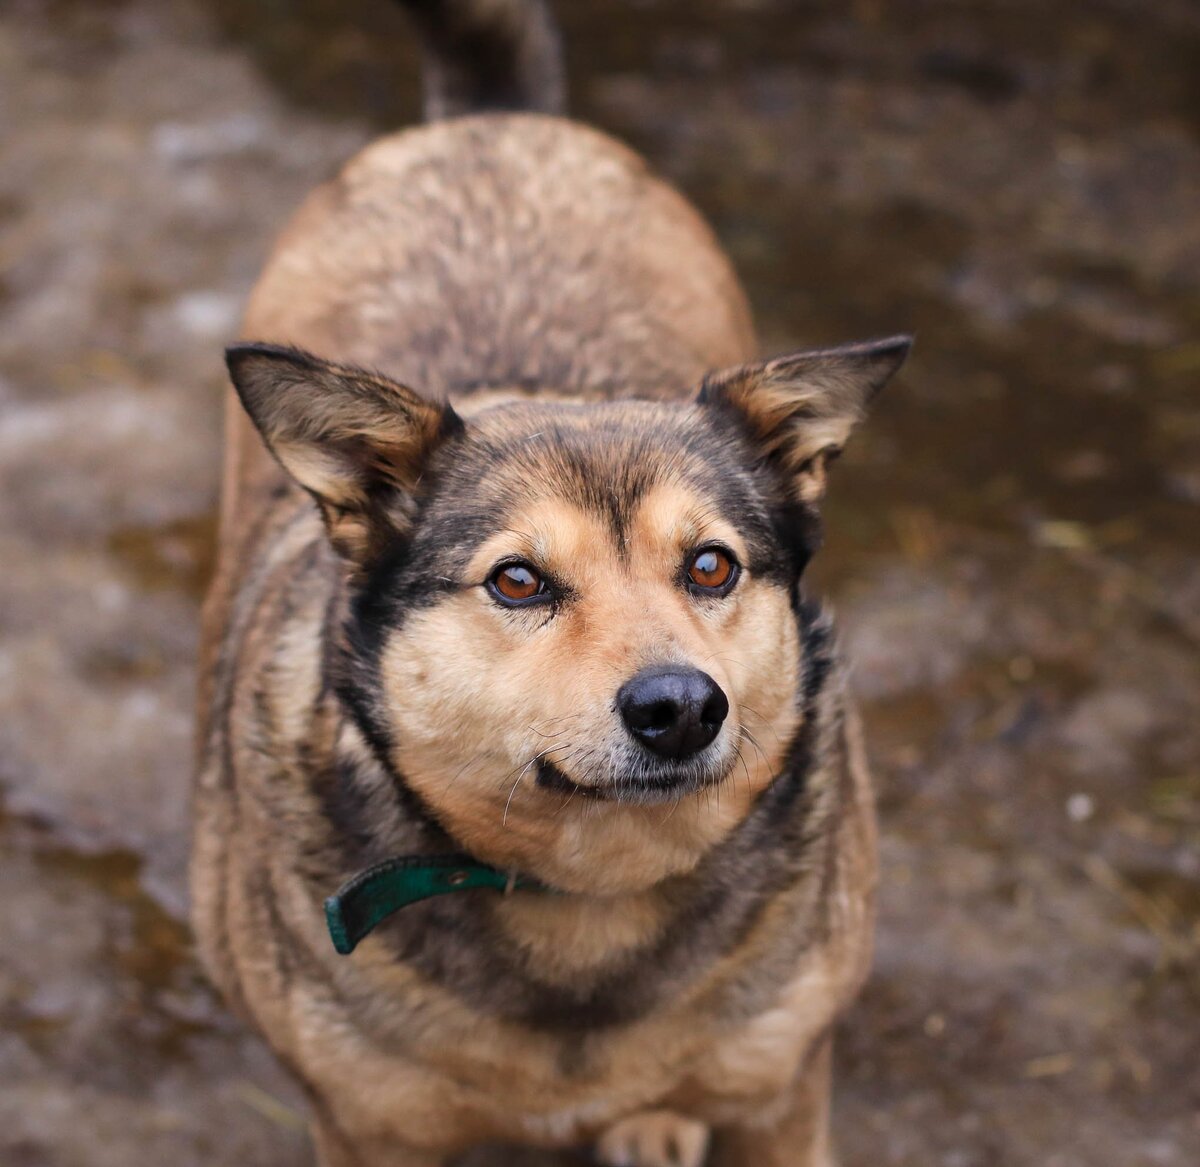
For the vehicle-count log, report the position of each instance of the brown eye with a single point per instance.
(515, 583)
(712, 569)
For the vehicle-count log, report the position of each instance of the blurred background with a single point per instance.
(1013, 542)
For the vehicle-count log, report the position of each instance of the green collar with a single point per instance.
(373, 895)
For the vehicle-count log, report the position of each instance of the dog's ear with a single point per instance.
(356, 441)
(800, 409)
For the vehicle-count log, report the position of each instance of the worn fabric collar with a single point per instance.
(373, 895)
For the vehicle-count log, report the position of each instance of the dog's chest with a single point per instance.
(497, 1082)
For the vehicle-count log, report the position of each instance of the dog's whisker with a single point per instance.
(755, 743)
(567, 802)
(550, 722)
(459, 772)
(746, 770)
(539, 733)
(769, 725)
(524, 770)
(719, 655)
(560, 717)
(504, 817)
(762, 757)
(670, 811)
(534, 760)
(517, 782)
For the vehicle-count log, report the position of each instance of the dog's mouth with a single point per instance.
(643, 788)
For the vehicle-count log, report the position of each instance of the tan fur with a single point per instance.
(620, 291)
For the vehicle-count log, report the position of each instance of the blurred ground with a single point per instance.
(1013, 545)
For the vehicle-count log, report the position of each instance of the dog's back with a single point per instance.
(497, 252)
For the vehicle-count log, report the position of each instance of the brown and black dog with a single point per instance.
(544, 621)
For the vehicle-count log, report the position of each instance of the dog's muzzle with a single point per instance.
(673, 712)
(671, 716)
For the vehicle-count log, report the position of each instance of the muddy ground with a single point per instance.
(1013, 544)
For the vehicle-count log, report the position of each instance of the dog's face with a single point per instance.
(573, 628)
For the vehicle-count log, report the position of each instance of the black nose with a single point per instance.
(675, 712)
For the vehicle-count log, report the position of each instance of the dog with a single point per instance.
(531, 807)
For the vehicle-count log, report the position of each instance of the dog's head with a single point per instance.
(574, 628)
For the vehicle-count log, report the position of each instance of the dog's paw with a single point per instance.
(656, 1138)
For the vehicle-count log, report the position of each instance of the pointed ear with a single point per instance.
(800, 409)
(356, 441)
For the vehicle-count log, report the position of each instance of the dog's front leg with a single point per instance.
(654, 1138)
(799, 1137)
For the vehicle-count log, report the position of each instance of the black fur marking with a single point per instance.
(354, 676)
(358, 704)
(346, 805)
(488, 56)
(819, 660)
(798, 531)
(550, 777)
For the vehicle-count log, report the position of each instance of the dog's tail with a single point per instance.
(488, 55)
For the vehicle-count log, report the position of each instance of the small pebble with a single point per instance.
(1080, 808)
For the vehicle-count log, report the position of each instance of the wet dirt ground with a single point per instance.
(1014, 543)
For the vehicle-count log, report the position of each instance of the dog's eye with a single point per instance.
(516, 583)
(712, 569)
